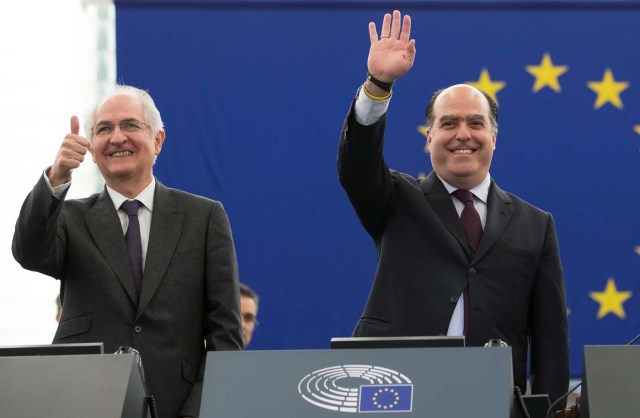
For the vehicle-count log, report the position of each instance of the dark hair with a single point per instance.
(493, 109)
(248, 293)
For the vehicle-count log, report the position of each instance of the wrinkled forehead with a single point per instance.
(119, 107)
(461, 100)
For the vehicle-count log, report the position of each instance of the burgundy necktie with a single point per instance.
(134, 244)
(470, 219)
(473, 230)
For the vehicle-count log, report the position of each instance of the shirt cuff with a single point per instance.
(368, 111)
(57, 191)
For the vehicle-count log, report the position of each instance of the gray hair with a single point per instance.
(151, 113)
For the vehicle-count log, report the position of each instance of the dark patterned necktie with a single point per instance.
(134, 243)
(473, 230)
(470, 218)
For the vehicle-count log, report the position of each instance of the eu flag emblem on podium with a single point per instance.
(385, 398)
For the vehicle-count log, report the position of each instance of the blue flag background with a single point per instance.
(254, 94)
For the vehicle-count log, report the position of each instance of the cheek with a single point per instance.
(92, 151)
(438, 152)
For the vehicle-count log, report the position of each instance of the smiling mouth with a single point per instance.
(462, 151)
(122, 154)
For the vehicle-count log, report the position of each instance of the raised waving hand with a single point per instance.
(391, 54)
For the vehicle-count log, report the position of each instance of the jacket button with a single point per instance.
(472, 271)
(137, 329)
(453, 299)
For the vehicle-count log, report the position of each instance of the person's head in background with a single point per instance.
(58, 308)
(249, 312)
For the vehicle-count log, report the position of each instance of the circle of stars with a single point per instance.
(387, 404)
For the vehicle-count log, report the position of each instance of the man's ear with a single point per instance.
(159, 139)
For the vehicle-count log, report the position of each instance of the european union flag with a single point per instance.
(385, 398)
(568, 141)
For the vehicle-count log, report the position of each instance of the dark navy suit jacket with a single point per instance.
(515, 279)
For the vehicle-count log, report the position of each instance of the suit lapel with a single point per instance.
(166, 227)
(499, 212)
(106, 230)
(440, 201)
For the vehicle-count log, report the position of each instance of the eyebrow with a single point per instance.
(455, 118)
(100, 122)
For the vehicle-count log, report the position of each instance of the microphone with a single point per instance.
(550, 410)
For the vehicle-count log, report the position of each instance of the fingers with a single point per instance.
(405, 35)
(75, 125)
(395, 25)
(74, 145)
(392, 27)
(391, 54)
(373, 34)
(385, 30)
(411, 47)
(70, 155)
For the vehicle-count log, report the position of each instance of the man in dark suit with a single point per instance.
(187, 301)
(249, 303)
(432, 277)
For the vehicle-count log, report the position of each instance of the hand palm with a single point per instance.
(393, 54)
(391, 58)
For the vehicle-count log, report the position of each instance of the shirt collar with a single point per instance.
(145, 197)
(481, 191)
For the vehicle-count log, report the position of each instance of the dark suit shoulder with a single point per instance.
(185, 200)
(521, 204)
(404, 178)
(81, 204)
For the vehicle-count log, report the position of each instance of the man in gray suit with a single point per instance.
(486, 266)
(172, 298)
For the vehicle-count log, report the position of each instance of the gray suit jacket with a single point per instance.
(189, 301)
(515, 279)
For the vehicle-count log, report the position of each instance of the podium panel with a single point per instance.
(97, 386)
(611, 379)
(413, 382)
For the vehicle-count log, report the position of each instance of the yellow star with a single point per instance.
(424, 130)
(611, 300)
(636, 129)
(485, 84)
(608, 90)
(546, 74)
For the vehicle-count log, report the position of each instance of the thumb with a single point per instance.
(75, 125)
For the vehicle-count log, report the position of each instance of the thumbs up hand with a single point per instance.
(70, 155)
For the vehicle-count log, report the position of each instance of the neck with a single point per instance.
(128, 187)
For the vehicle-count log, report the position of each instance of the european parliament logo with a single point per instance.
(356, 388)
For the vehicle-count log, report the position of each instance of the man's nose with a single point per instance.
(464, 133)
(118, 135)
